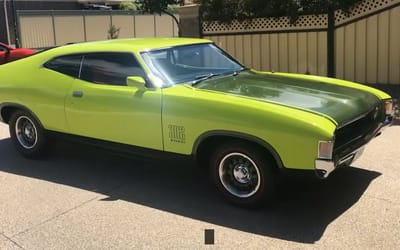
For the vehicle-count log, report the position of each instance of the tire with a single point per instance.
(27, 134)
(243, 174)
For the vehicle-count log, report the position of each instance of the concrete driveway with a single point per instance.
(85, 198)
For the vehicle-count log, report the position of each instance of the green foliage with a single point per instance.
(173, 7)
(160, 6)
(129, 6)
(321, 6)
(157, 6)
(228, 10)
(113, 32)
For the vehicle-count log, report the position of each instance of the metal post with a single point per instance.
(189, 21)
(331, 41)
(7, 24)
(17, 45)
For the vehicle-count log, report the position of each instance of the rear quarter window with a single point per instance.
(68, 65)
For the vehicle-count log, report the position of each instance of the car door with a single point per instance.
(100, 105)
(58, 74)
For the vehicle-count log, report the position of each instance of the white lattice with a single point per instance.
(361, 9)
(267, 24)
(304, 22)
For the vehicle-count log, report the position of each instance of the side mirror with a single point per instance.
(136, 81)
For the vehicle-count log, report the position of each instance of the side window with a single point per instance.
(68, 65)
(110, 68)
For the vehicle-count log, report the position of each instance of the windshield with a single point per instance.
(188, 63)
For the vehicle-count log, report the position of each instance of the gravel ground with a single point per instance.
(85, 198)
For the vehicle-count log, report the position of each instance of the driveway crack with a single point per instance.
(11, 240)
(67, 211)
(384, 199)
(56, 216)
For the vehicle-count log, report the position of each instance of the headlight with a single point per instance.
(325, 149)
(389, 107)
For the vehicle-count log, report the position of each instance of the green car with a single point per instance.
(188, 97)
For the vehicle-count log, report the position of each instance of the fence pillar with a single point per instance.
(16, 37)
(331, 42)
(189, 21)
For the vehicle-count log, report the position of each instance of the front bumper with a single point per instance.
(323, 167)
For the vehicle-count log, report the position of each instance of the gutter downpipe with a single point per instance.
(6, 18)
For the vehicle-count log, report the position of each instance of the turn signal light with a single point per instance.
(325, 149)
(389, 107)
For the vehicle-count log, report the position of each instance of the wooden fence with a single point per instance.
(367, 43)
(39, 29)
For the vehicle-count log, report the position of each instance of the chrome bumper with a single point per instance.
(324, 167)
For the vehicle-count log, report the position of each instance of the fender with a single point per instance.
(237, 135)
(16, 106)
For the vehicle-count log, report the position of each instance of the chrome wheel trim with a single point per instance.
(26, 132)
(239, 175)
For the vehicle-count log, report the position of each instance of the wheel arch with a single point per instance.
(7, 109)
(214, 138)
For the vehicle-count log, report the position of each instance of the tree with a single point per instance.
(113, 32)
(228, 10)
(159, 7)
(128, 6)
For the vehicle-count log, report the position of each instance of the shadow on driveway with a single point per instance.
(301, 212)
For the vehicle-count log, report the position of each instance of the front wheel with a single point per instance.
(27, 134)
(243, 174)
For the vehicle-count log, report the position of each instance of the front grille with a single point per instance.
(358, 132)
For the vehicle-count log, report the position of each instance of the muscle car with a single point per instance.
(189, 97)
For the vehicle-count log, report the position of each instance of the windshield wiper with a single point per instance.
(200, 78)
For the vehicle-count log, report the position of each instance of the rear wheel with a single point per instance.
(27, 134)
(243, 174)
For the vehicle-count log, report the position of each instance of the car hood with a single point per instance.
(341, 103)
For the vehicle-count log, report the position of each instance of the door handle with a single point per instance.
(77, 94)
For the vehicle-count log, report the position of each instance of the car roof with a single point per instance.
(132, 44)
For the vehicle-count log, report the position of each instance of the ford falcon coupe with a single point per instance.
(188, 97)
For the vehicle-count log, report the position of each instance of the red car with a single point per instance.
(8, 54)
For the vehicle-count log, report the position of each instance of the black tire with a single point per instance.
(27, 134)
(243, 174)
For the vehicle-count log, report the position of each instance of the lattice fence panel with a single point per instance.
(306, 22)
(267, 24)
(362, 9)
